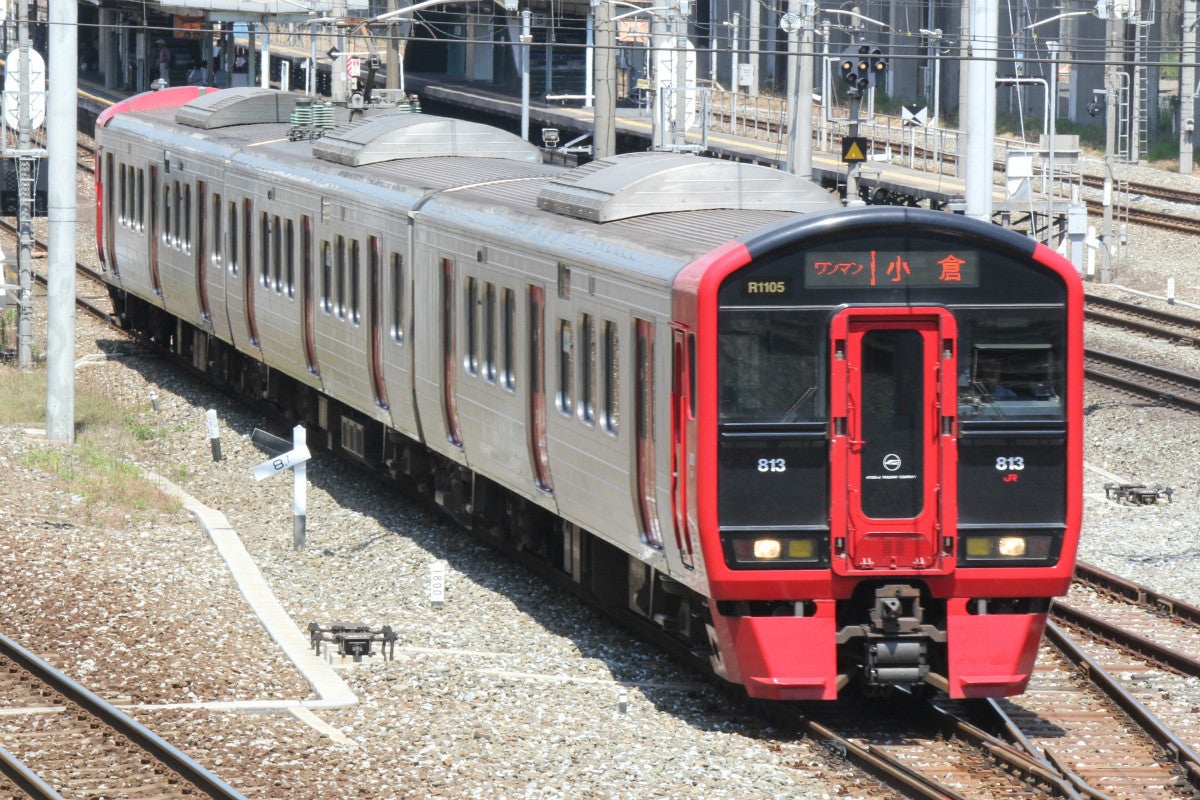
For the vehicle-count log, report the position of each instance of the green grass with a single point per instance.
(98, 466)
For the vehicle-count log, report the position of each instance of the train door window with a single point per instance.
(471, 357)
(264, 245)
(289, 257)
(537, 389)
(141, 199)
(610, 363)
(644, 427)
(306, 291)
(326, 277)
(587, 369)
(375, 310)
(339, 276)
(157, 239)
(355, 281)
(893, 403)
(248, 281)
(768, 366)
(508, 322)
(489, 332)
(110, 203)
(234, 241)
(566, 362)
(691, 355)
(202, 249)
(397, 327)
(449, 386)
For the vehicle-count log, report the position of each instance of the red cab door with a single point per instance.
(892, 393)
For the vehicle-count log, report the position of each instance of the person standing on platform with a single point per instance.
(164, 61)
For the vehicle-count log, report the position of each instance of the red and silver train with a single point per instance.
(821, 446)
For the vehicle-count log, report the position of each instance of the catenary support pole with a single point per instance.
(1187, 87)
(61, 207)
(604, 130)
(981, 108)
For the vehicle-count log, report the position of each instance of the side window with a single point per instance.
(326, 277)
(234, 241)
(289, 256)
(566, 361)
(489, 332)
(508, 322)
(339, 275)
(587, 369)
(265, 240)
(355, 281)
(397, 321)
(471, 299)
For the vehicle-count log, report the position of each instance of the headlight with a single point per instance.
(773, 551)
(1015, 548)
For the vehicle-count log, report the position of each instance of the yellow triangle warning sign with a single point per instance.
(854, 149)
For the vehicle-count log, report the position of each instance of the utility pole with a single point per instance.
(798, 25)
(392, 80)
(604, 120)
(526, 38)
(1187, 87)
(61, 208)
(25, 196)
(1114, 34)
(980, 121)
(679, 26)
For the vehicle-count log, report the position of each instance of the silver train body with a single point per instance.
(634, 370)
(390, 266)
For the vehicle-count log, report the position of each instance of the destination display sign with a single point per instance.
(891, 269)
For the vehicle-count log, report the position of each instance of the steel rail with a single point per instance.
(1126, 640)
(175, 759)
(1182, 752)
(25, 779)
(1142, 595)
(1098, 359)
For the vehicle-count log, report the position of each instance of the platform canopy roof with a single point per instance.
(277, 10)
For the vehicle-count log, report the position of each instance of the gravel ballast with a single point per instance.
(510, 689)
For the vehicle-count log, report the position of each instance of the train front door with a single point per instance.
(892, 448)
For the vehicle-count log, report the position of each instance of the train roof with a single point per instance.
(674, 207)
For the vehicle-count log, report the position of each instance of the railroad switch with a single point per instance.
(1137, 494)
(353, 639)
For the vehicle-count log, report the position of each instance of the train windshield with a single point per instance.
(769, 362)
(1012, 367)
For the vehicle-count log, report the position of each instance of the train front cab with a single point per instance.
(872, 505)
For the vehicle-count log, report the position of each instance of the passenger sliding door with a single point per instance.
(892, 394)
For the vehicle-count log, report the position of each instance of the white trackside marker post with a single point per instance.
(213, 434)
(437, 583)
(294, 460)
(300, 479)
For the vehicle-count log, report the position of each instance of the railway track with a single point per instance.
(973, 763)
(60, 740)
(1165, 325)
(1140, 379)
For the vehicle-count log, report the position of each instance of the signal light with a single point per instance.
(862, 66)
